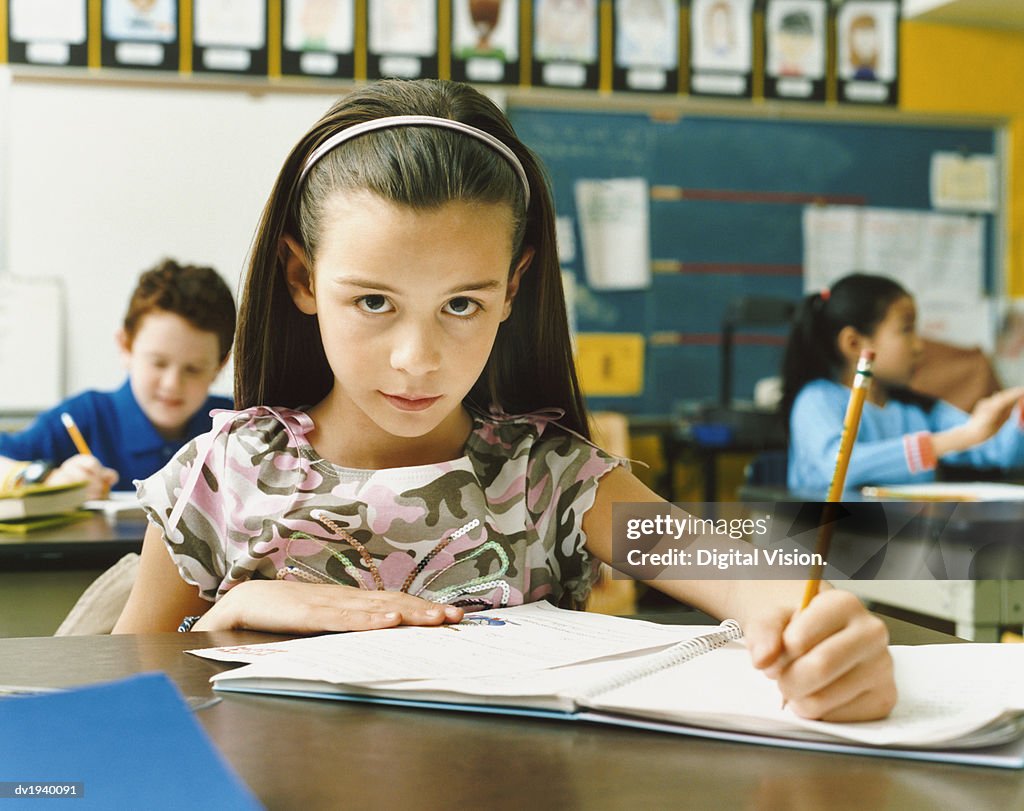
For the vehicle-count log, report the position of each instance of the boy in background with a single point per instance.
(175, 339)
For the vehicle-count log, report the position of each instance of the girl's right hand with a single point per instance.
(289, 607)
(83, 467)
(990, 413)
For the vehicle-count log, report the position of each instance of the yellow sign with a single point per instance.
(610, 364)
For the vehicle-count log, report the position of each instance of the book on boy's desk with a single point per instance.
(36, 506)
(958, 703)
(35, 500)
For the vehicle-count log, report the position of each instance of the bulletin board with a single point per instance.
(727, 197)
(31, 343)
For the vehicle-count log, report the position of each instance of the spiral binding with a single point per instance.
(681, 652)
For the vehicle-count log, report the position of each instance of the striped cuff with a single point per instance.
(920, 452)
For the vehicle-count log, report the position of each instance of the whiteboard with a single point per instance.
(31, 343)
(103, 181)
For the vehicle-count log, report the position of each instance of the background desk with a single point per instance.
(43, 573)
(682, 440)
(977, 609)
(298, 753)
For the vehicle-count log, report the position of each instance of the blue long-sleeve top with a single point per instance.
(894, 444)
(116, 429)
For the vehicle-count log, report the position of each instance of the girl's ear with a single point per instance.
(850, 342)
(297, 274)
(514, 279)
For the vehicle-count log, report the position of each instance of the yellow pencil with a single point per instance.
(75, 434)
(851, 424)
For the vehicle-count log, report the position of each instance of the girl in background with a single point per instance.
(413, 442)
(903, 434)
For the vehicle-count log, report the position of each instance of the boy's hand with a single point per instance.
(84, 467)
(288, 607)
(831, 660)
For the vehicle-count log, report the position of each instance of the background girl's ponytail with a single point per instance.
(859, 300)
(809, 353)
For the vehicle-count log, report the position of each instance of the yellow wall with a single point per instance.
(947, 69)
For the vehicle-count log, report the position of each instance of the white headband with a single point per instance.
(416, 121)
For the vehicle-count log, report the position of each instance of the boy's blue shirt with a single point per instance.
(879, 455)
(119, 434)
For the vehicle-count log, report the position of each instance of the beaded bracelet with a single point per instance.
(187, 623)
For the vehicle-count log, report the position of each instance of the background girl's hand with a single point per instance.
(991, 412)
(288, 607)
(831, 660)
(84, 467)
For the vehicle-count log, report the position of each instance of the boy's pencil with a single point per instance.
(895, 494)
(75, 434)
(851, 424)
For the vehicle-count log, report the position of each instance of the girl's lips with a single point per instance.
(410, 403)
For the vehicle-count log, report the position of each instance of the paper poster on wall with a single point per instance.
(867, 51)
(964, 182)
(485, 41)
(140, 34)
(956, 320)
(31, 315)
(922, 250)
(229, 36)
(795, 49)
(721, 47)
(565, 43)
(47, 32)
(318, 38)
(565, 239)
(614, 218)
(402, 39)
(1009, 351)
(646, 36)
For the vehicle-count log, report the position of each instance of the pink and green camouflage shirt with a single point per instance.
(499, 526)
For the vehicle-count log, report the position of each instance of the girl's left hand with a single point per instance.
(831, 660)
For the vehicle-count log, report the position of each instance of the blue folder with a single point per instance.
(132, 743)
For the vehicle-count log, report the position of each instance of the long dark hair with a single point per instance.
(859, 300)
(279, 357)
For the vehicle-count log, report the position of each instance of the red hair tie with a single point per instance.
(825, 294)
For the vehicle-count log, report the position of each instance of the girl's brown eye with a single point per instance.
(462, 306)
(373, 304)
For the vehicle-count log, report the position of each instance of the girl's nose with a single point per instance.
(416, 350)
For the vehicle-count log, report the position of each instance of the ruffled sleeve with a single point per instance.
(562, 479)
(212, 500)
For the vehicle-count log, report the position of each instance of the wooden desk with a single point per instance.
(43, 573)
(310, 754)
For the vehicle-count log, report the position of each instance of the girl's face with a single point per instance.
(896, 343)
(409, 303)
(171, 365)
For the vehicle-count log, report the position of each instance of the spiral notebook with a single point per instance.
(961, 703)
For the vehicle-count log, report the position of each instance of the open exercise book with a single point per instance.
(959, 702)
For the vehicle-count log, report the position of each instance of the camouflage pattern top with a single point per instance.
(499, 526)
